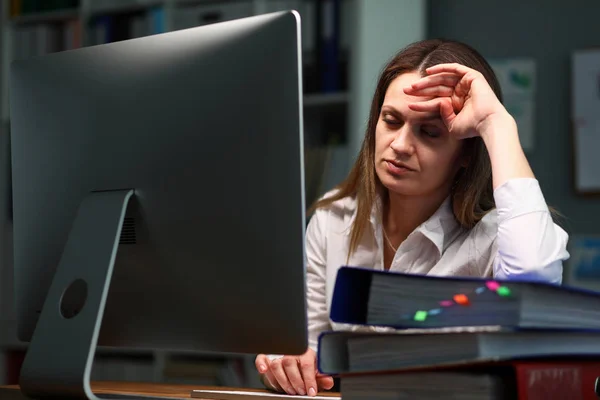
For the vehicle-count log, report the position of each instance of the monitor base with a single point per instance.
(59, 358)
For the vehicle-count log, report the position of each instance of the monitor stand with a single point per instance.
(59, 359)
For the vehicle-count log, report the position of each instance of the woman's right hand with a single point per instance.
(293, 374)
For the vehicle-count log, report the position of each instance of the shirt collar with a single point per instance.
(440, 229)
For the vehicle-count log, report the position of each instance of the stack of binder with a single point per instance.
(461, 338)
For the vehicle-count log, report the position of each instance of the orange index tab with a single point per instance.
(461, 299)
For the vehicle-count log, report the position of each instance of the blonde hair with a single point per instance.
(472, 192)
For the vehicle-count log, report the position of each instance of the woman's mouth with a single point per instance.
(396, 168)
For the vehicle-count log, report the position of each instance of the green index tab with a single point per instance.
(420, 315)
(503, 291)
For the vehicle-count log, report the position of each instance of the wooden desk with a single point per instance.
(144, 389)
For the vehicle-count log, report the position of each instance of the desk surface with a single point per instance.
(144, 389)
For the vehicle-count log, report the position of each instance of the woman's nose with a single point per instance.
(403, 143)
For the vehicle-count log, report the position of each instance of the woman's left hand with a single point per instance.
(462, 96)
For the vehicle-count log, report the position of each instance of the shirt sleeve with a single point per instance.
(530, 245)
(316, 261)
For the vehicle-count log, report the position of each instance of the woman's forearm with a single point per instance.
(501, 137)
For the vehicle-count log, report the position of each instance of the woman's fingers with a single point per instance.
(432, 105)
(464, 76)
(308, 368)
(442, 79)
(292, 370)
(279, 374)
(454, 68)
(324, 382)
(262, 363)
(441, 105)
(433, 91)
(293, 374)
(270, 382)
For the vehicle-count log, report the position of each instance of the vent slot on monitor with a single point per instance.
(128, 231)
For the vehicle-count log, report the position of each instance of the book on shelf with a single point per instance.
(398, 300)
(193, 15)
(343, 353)
(32, 40)
(109, 28)
(26, 7)
(523, 380)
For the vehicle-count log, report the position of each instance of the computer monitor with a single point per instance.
(177, 158)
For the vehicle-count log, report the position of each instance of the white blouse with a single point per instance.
(516, 240)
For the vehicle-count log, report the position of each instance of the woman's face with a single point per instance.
(415, 155)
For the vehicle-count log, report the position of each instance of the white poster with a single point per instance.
(585, 114)
(517, 78)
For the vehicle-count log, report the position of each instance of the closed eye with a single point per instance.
(430, 131)
(390, 120)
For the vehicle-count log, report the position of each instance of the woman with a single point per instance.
(441, 186)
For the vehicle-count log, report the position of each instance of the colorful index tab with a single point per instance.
(461, 299)
(446, 303)
(503, 291)
(420, 315)
(492, 285)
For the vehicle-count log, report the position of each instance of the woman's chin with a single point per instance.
(402, 188)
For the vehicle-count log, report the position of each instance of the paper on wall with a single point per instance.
(517, 77)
